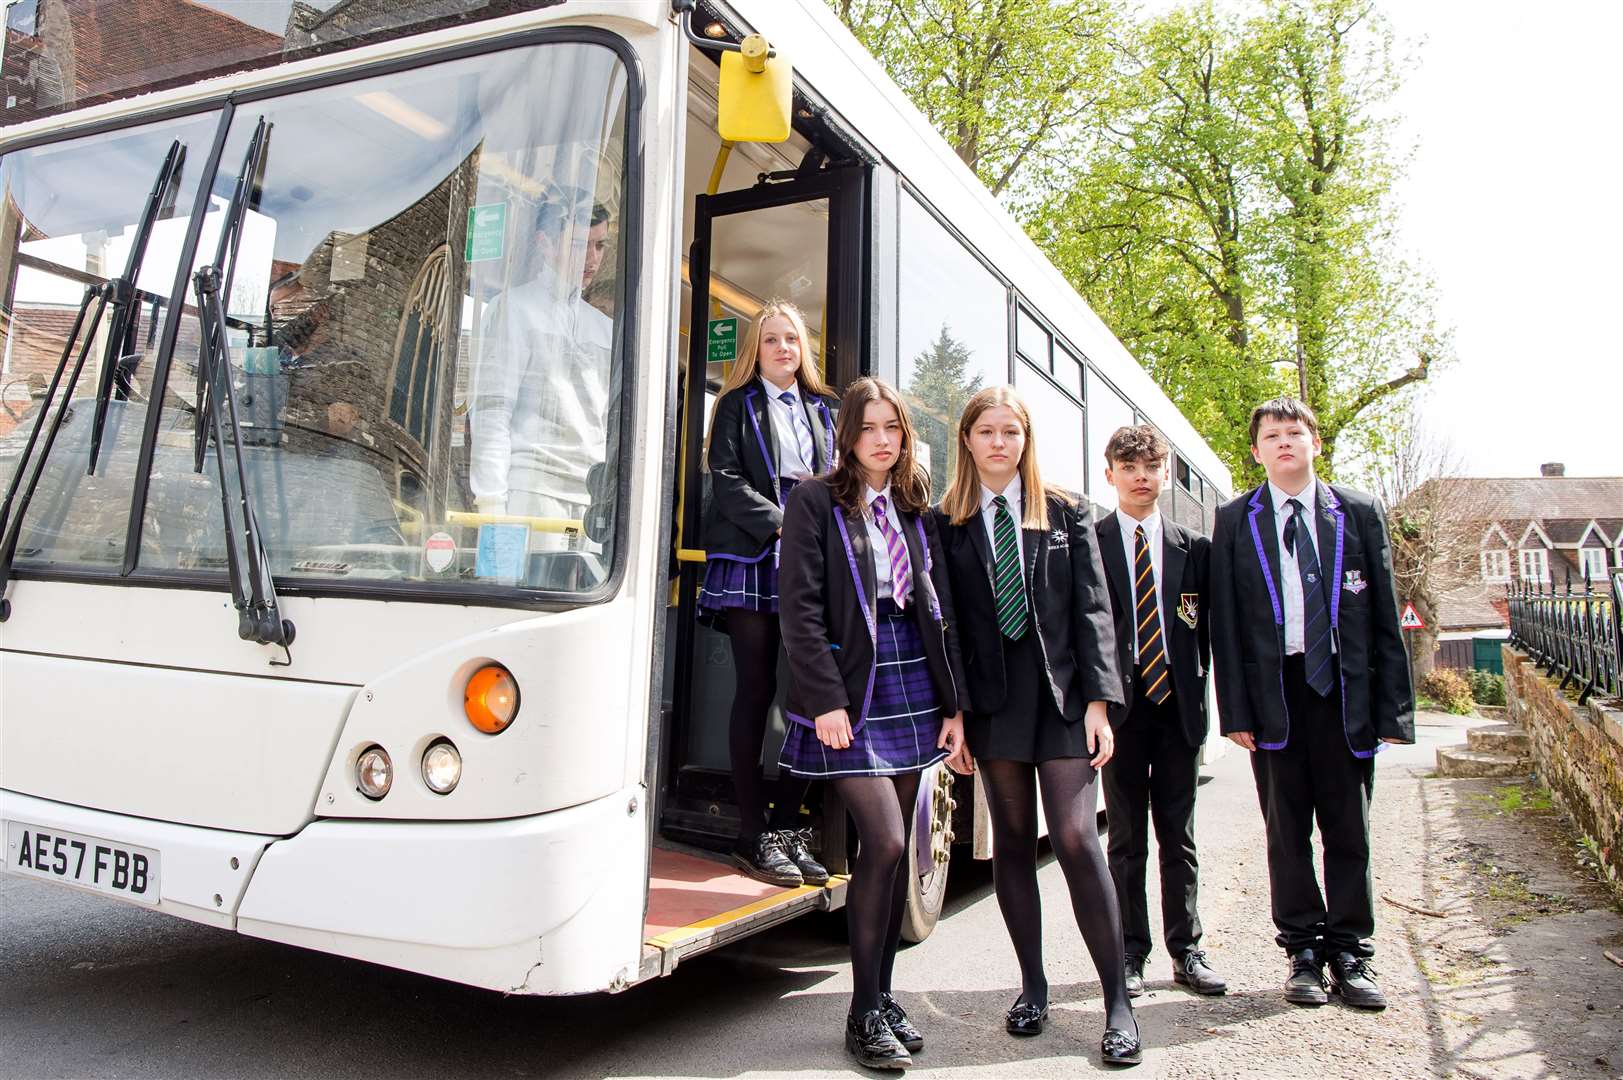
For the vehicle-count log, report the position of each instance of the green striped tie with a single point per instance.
(1011, 586)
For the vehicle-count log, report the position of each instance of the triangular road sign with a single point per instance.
(1411, 619)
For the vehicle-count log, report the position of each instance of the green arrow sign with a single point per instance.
(487, 232)
(723, 340)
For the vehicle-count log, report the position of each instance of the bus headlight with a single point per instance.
(491, 699)
(374, 772)
(442, 767)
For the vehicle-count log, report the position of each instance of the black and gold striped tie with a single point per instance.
(1152, 645)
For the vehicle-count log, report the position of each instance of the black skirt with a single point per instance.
(1029, 727)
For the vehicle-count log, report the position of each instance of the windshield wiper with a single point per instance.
(11, 524)
(123, 296)
(125, 299)
(259, 617)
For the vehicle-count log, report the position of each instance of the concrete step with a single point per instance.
(1462, 761)
(1500, 739)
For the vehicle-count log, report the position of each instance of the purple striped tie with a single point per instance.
(901, 571)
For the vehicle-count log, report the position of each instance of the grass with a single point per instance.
(1509, 887)
(1514, 797)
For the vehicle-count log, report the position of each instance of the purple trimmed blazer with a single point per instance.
(1248, 620)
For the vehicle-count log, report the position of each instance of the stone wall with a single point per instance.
(1578, 750)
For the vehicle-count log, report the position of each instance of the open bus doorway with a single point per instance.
(761, 223)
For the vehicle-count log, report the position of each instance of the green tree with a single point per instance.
(1217, 183)
(940, 391)
(1006, 82)
(1234, 223)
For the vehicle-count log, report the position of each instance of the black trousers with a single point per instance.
(1316, 777)
(1153, 776)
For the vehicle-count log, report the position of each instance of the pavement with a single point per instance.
(1490, 943)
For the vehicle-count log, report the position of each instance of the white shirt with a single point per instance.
(989, 518)
(788, 420)
(1129, 542)
(540, 395)
(1290, 584)
(884, 574)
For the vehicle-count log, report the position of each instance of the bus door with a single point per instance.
(798, 238)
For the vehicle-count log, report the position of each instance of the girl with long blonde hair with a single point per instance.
(1040, 659)
(772, 428)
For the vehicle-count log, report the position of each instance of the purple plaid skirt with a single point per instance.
(904, 720)
(753, 586)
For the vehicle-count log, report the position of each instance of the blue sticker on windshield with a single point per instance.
(502, 551)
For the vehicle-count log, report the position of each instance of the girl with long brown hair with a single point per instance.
(1040, 659)
(773, 427)
(874, 679)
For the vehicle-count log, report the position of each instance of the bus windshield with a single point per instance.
(424, 322)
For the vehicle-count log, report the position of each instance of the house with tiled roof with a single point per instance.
(1548, 530)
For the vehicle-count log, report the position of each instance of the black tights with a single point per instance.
(882, 807)
(1069, 805)
(755, 641)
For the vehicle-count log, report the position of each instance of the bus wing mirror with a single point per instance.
(756, 93)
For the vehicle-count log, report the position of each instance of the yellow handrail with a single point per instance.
(539, 524)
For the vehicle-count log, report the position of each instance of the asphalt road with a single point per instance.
(95, 988)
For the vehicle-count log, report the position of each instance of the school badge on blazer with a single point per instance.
(1189, 608)
(1354, 582)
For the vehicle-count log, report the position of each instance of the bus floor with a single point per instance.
(698, 902)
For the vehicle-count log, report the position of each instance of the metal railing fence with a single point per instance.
(1576, 634)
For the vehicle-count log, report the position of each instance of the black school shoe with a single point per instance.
(1353, 978)
(1025, 1018)
(1135, 976)
(764, 859)
(1194, 972)
(795, 845)
(900, 1026)
(872, 1043)
(1120, 1047)
(1306, 984)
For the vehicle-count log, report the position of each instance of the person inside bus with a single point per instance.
(1040, 657)
(773, 426)
(1157, 572)
(875, 684)
(541, 383)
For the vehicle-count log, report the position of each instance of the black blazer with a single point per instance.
(1065, 594)
(1185, 562)
(826, 595)
(1248, 625)
(743, 513)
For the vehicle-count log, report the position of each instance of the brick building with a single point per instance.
(1545, 530)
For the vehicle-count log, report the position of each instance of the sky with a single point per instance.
(1513, 200)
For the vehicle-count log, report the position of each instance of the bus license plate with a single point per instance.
(116, 869)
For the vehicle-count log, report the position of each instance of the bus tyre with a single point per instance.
(930, 853)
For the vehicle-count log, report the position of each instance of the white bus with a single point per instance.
(356, 363)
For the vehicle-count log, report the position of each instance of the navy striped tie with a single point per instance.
(1315, 612)
(1010, 581)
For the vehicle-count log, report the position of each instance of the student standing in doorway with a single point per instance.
(875, 683)
(1312, 679)
(1157, 571)
(772, 428)
(1040, 658)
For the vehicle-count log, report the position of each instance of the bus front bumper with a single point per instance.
(547, 904)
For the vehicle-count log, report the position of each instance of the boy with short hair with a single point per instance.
(1312, 678)
(1157, 573)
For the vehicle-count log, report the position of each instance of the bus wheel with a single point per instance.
(930, 854)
